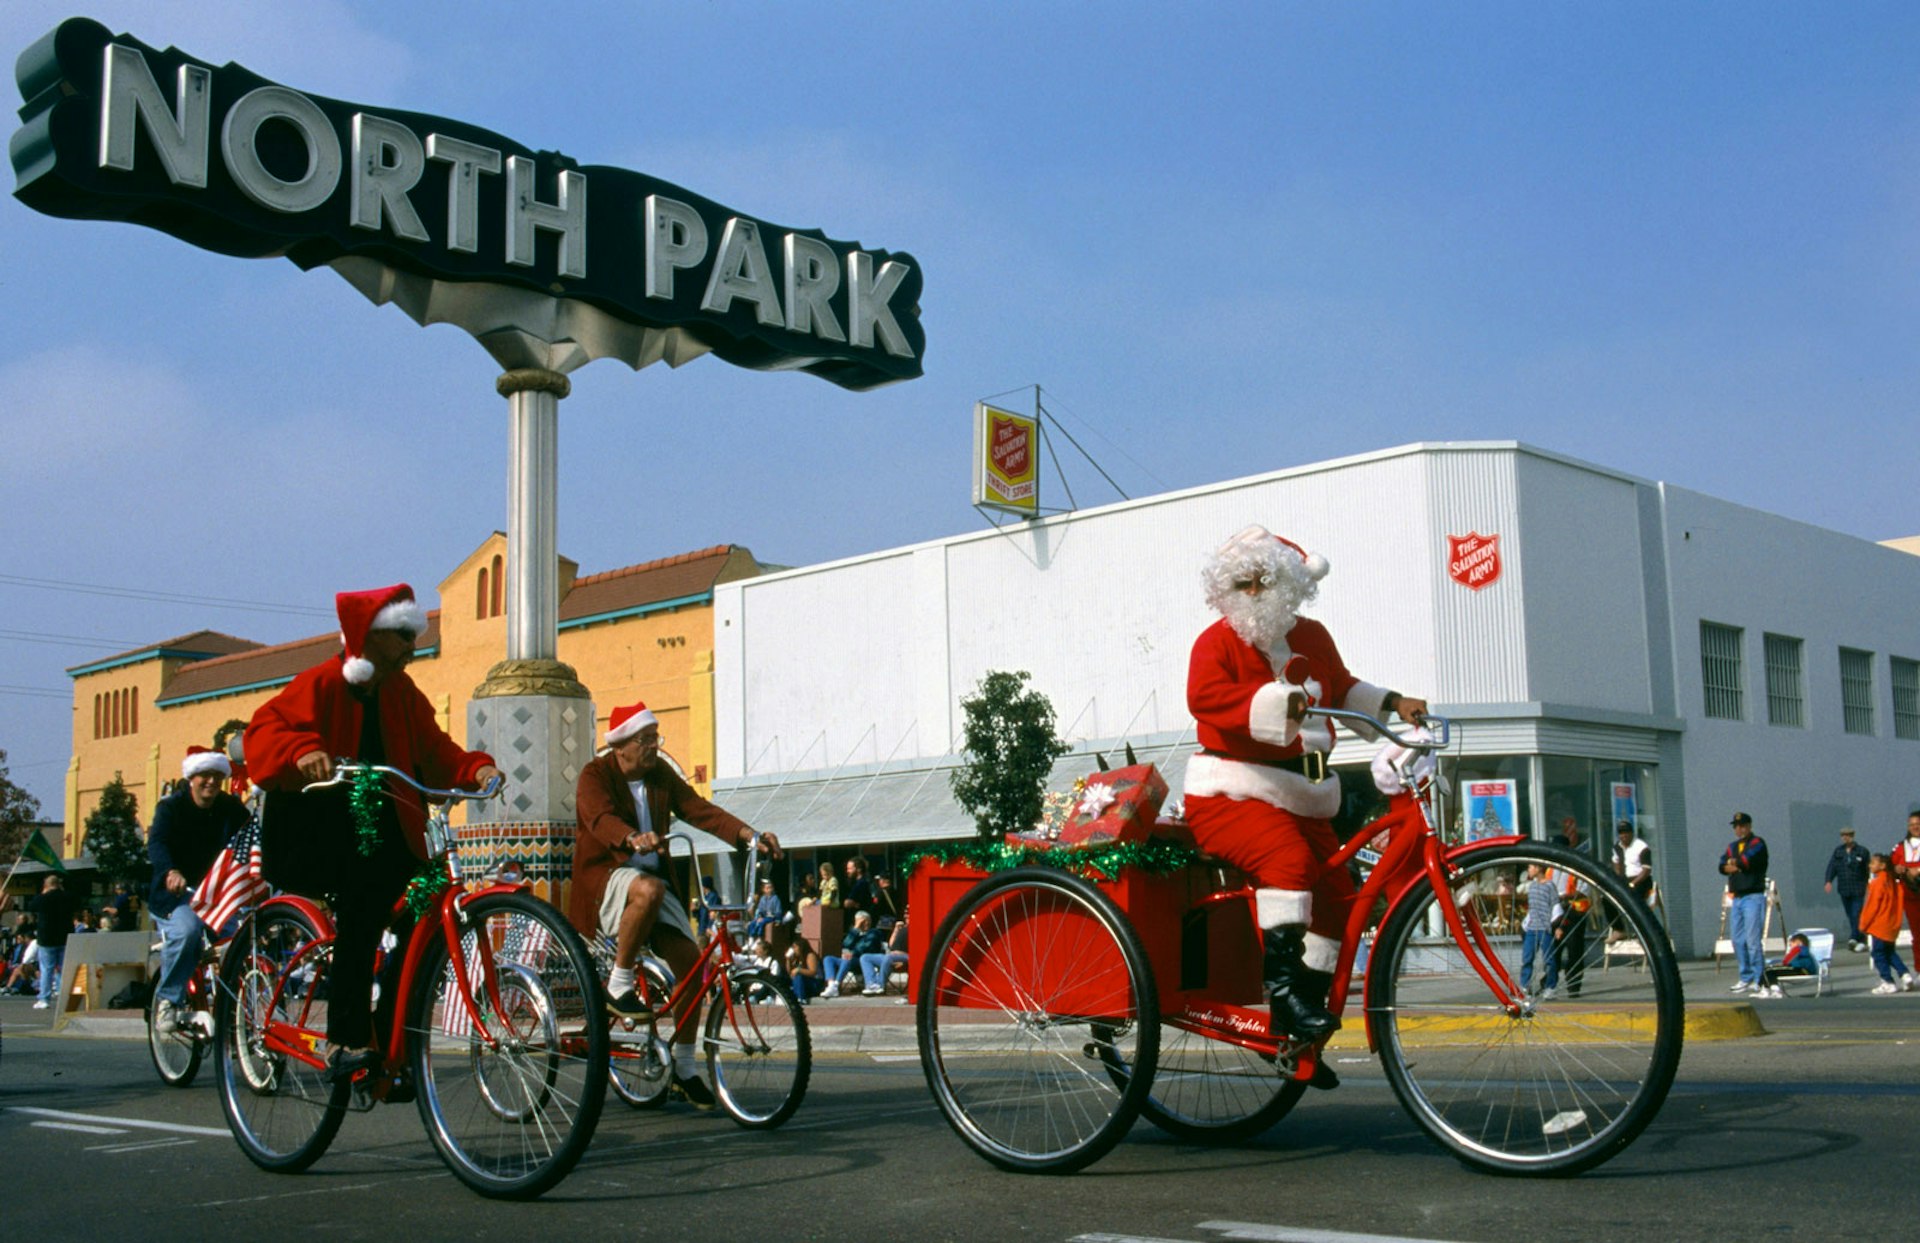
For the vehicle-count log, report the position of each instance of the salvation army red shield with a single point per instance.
(1473, 560)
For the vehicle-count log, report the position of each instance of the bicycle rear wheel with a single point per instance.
(281, 1110)
(511, 1100)
(1213, 1092)
(759, 1055)
(639, 1060)
(1038, 1021)
(1565, 1083)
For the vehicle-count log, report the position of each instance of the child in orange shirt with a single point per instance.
(1880, 920)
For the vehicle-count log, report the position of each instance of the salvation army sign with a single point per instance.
(229, 161)
(1473, 560)
(1006, 466)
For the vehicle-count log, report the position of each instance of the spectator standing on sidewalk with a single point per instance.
(1744, 863)
(1847, 873)
(1536, 930)
(53, 915)
(1880, 920)
(1633, 860)
(1904, 862)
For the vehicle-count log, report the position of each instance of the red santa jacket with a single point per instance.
(318, 712)
(1238, 698)
(607, 815)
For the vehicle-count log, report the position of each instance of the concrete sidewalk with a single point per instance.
(884, 1025)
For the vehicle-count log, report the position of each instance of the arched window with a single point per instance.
(480, 596)
(96, 714)
(499, 565)
(133, 713)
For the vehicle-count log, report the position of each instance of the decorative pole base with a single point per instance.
(536, 720)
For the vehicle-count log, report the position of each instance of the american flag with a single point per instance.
(233, 881)
(526, 941)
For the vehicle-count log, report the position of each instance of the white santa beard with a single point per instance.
(1263, 620)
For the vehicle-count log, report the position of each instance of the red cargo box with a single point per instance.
(1074, 960)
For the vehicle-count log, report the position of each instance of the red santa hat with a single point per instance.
(626, 722)
(205, 760)
(362, 612)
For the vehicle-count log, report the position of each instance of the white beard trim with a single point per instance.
(1322, 953)
(1282, 908)
(1216, 775)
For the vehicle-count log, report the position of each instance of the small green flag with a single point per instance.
(38, 851)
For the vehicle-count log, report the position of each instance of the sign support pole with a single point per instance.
(531, 714)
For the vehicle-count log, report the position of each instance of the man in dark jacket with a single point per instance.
(189, 828)
(53, 912)
(1847, 871)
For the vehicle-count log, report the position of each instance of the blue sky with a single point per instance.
(1678, 240)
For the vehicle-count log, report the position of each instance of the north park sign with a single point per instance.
(226, 160)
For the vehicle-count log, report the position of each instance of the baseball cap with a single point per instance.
(1741, 817)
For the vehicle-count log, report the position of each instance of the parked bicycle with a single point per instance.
(1053, 1011)
(758, 1052)
(499, 1033)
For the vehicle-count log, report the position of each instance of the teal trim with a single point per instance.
(134, 658)
(640, 610)
(176, 701)
(225, 690)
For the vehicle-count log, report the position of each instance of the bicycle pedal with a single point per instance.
(361, 1099)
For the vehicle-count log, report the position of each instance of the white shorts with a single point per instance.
(613, 903)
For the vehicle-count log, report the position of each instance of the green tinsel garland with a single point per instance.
(424, 889)
(1155, 856)
(365, 794)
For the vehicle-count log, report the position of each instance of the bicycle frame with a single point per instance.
(1414, 851)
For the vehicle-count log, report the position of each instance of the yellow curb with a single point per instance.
(1565, 1024)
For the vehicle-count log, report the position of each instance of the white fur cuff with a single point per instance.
(1281, 908)
(1322, 953)
(1267, 718)
(1366, 697)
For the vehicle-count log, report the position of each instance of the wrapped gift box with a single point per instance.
(1119, 805)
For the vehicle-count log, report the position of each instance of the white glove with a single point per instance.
(1397, 768)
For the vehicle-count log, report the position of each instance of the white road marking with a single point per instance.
(89, 1130)
(1260, 1233)
(139, 1123)
(169, 1141)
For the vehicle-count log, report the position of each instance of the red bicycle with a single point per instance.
(1052, 1011)
(758, 1052)
(499, 1034)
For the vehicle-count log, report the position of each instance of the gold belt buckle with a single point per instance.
(1313, 766)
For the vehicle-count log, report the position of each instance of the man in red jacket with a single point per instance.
(362, 705)
(625, 801)
(1259, 793)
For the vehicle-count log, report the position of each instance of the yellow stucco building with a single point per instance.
(643, 632)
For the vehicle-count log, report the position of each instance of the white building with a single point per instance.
(1709, 657)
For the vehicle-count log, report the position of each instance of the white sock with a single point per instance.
(619, 980)
(683, 1067)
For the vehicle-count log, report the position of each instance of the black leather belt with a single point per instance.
(1309, 764)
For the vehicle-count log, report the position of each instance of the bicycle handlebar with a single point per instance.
(344, 768)
(1438, 726)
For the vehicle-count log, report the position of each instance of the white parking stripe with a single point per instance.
(1261, 1233)
(140, 1123)
(90, 1130)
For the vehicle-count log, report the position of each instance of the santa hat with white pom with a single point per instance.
(362, 612)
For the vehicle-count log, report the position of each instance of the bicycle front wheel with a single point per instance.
(1038, 1021)
(1584, 1064)
(511, 1096)
(639, 1060)
(280, 1108)
(759, 1053)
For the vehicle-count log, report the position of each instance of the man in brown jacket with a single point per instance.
(626, 800)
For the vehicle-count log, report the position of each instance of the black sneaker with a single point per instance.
(344, 1064)
(629, 1006)
(693, 1090)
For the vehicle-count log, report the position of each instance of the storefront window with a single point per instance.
(1492, 796)
(1596, 795)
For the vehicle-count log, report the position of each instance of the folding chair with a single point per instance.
(1820, 942)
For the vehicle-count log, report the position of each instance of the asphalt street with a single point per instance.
(1805, 1131)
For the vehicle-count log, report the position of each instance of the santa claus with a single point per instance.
(1258, 794)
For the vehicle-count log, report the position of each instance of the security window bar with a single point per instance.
(1906, 698)
(1786, 701)
(1720, 670)
(1856, 690)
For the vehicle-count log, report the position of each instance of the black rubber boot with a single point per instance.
(1313, 987)
(1294, 1014)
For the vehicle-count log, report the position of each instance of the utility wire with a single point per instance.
(36, 692)
(68, 640)
(166, 597)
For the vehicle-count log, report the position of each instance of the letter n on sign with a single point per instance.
(1473, 560)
